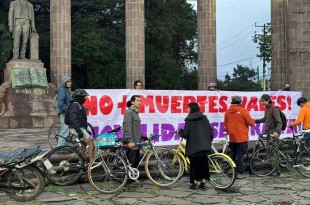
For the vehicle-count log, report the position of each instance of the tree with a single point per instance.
(243, 79)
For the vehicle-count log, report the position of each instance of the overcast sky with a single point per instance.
(235, 27)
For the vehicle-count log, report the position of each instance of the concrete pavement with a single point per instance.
(289, 188)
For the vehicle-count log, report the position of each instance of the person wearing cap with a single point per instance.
(272, 119)
(237, 121)
(212, 86)
(63, 99)
(304, 118)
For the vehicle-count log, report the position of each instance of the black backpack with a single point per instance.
(282, 115)
(67, 113)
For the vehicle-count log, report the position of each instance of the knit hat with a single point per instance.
(265, 97)
(236, 99)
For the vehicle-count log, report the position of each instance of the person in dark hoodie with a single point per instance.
(63, 99)
(199, 135)
(78, 120)
(237, 121)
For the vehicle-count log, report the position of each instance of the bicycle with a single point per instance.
(109, 171)
(69, 162)
(53, 133)
(221, 167)
(267, 159)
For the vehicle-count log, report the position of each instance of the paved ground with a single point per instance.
(289, 188)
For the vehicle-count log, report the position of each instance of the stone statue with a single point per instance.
(21, 24)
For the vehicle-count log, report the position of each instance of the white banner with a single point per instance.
(163, 111)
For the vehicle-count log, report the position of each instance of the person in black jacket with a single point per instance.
(78, 120)
(199, 135)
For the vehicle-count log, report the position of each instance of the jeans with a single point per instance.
(237, 151)
(307, 142)
(64, 132)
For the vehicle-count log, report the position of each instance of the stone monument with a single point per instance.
(26, 97)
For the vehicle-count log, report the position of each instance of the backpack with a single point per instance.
(282, 115)
(67, 113)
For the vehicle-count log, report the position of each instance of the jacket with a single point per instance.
(198, 133)
(78, 117)
(237, 121)
(303, 117)
(63, 96)
(15, 12)
(273, 122)
(132, 125)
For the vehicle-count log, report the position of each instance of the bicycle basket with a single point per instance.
(105, 140)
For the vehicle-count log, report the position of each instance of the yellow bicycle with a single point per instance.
(222, 168)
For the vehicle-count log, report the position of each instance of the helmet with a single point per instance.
(212, 85)
(301, 100)
(79, 93)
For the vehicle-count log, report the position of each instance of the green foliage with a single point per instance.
(98, 42)
(243, 79)
(264, 43)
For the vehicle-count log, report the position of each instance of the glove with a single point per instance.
(80, 133)
(181, 132)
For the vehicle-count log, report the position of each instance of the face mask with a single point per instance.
(287, 88)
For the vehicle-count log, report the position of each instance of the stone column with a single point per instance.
(60, 40)
(206, 43)
(279, 64)
(135, 46)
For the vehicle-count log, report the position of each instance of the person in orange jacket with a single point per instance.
(237, 121)
(304, 117)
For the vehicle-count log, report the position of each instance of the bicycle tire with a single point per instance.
(68, 164)
(53, 131)
(108, 173)
(32, 186)
(222, 171)
(303, 159)
(165, 172)
(264, 161)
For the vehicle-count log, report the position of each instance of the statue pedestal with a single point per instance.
(27, 100)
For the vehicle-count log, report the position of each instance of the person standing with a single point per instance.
(138, 85)
(237, 121)
(199, 135)
(212, 86)
(21, 24)
(272, 119)
(62, 102)
(304, 117)
(132, 129)
(78, 120)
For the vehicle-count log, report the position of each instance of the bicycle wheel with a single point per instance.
(264, 161)
(303, 160)
(68, 164)
(163, 169)
(222, 171)
(53, 131)
(108, 173)
(26, 183)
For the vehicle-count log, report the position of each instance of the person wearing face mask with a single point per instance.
(287, 87)
(78, 120)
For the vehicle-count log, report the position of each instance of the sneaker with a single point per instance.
(133, 183)
(193, 187)
(241, 176)
(202, 186)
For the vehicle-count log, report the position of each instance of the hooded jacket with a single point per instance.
(198, 133)
(303, 117)
(78, 117)
(63, 96)
(237, 121)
